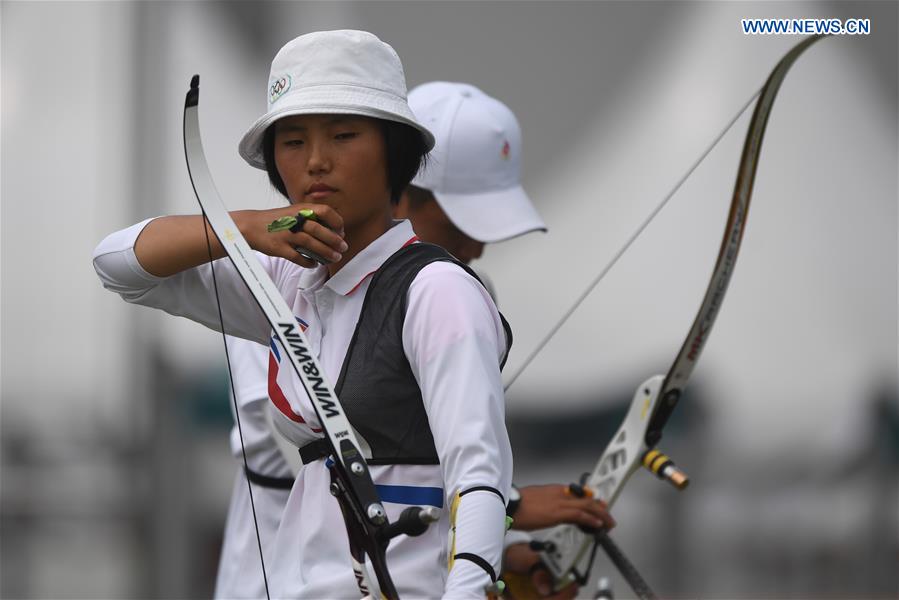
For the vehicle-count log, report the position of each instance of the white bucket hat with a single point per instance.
(333, 72)
(474, 170)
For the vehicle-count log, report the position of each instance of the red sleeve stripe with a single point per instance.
(277, 396)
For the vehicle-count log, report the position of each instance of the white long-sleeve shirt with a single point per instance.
(454, 341)
(240, 572)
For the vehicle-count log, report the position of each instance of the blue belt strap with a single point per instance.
(407, 494)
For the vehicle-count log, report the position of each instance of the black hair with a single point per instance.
(418, 196)
(405, 151)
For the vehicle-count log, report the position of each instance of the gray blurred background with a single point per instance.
(115, 462)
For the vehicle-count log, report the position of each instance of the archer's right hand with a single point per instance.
(321, 234)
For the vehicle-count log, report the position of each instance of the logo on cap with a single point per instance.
(278, 88)
(507, 149)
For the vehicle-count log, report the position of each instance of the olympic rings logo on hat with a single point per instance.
(278, 88)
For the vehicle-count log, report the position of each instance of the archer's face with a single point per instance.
(338, 160)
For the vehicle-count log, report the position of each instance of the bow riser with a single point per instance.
(570, 547)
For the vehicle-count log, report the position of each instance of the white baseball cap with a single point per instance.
(333, 72)
(474, 171)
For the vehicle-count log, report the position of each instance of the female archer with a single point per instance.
(410, 337)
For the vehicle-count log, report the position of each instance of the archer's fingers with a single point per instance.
(328, 241)
(600, 510)
(325, 215)
(301, 249)
(578, 515)
(593, 515)
(292, 254)
(601, 521)
(582, 497)
(310, 250)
